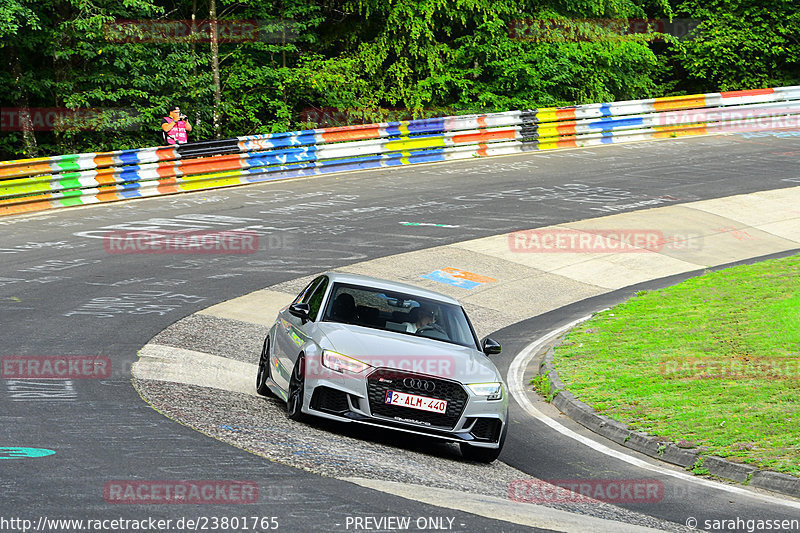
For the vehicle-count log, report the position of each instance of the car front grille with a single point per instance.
(385, 379)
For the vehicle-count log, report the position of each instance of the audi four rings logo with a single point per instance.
(419, 384)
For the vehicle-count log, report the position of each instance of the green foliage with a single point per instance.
(740, 44)
(373, 58)
(542, 385)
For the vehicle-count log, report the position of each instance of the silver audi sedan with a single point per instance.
(359, 349)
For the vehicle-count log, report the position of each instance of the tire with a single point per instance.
(264, 371)
(484, 455)
(294, 402)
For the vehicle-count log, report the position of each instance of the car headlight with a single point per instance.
(492, 391)
(342, 363)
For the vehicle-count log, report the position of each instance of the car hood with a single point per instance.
(406, 352)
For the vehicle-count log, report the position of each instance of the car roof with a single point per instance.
(394, 286)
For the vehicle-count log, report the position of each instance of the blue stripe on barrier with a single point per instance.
(129, 190)
(128, 157)
(130, 173)
(431, 125)
(606, 124)
(295, 155)
(605, 110)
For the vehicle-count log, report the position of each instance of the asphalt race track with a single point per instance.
(63, 293)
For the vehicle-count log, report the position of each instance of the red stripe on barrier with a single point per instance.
(502, 135)
(211, 164)
(165, 154)
(752, 92)
(351, 135)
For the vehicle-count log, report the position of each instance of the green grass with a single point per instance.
(713, 362)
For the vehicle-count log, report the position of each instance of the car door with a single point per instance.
(291, 333)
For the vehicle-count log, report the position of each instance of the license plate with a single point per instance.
(434, 405)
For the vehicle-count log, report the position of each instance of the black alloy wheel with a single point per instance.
(297, 382)
(264, 371)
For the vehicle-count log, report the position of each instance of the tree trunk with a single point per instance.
(193, 38)
(30, 148)
(215, 70)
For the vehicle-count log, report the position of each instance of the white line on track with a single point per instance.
(515, 378)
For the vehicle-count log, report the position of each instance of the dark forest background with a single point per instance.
(118, 65)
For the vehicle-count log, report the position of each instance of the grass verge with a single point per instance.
(713, 362)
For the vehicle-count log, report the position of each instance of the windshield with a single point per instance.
(402, 313)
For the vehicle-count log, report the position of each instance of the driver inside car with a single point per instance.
(419, 317)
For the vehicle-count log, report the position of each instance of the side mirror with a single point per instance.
(491, 346)
(301, 311)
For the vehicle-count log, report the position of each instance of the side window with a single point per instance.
(315, 300)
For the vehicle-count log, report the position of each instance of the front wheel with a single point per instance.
(297, 382)
(263, 371)
(484, 455)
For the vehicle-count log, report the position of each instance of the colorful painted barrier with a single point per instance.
(80, 179)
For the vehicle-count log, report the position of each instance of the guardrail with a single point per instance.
(62, 181)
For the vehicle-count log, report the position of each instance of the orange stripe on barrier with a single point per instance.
(752, 92)
(565, 114)
(24, 208)
(482, 150)
(168, 185)
(671, 103)
(103, 160)
(482, 121)
(501, 135)
(21, 170)
(663, 132)
(105, 176)
(566, 129)
(25, 199)
(108, 196)
(211, 164)
(167, 169)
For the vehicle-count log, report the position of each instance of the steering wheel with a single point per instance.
(432, 327)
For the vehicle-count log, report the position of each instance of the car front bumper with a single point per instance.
(359, 398)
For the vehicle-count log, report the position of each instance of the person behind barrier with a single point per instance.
(175, 127)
